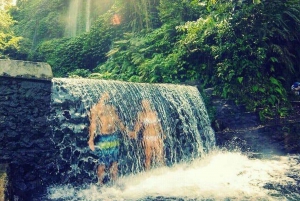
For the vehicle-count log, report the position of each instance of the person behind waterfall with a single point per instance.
(296, 88)
(104, 137)
(152, 134)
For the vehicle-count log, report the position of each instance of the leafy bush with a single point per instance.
(249, 46)
(247, 50)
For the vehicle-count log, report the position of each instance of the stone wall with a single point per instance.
(25, 133)
(25, 69)
(24, 129)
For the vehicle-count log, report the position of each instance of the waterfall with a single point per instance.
(79, 17)
(181, 111)
(194, 169)
(82, 13)
(72, 21)
(88, 15)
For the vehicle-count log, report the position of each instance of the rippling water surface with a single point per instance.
(218, 176)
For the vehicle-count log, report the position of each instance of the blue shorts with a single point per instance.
(107, 147)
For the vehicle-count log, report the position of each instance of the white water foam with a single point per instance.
(217, 176)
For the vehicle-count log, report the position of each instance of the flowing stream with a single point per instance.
(218, 176)
(194, 168)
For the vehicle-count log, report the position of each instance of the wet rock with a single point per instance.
(238, 129)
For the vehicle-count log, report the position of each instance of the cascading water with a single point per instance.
(72, 21)
(194, 170)
(88, 15)
(83, 13)
(182, 113)
(79, 17)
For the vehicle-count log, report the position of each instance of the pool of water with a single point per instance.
(221, 175)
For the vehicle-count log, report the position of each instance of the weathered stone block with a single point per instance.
(25, 69)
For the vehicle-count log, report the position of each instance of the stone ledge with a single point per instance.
(25, 69)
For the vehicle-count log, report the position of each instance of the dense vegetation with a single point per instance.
(249, 51)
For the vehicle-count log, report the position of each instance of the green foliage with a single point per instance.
(11, 46)
(243, 49)
(40, 20)
(82, 52)
(179, 11)
(6, 21)
(143, 57)
(138, 15)
(80, 73)
(249, 51)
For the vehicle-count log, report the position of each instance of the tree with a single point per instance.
(250, 49)
(40, 20)
(11, 46)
